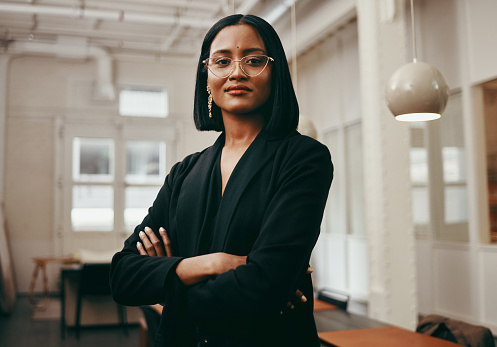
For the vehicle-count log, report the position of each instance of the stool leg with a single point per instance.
(32, 286)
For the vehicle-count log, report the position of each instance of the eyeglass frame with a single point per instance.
(270, 59)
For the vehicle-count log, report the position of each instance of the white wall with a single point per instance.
(329, 95)
(455, 278)
(44, 89)
(481, 26)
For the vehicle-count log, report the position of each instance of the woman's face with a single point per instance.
(238, 93)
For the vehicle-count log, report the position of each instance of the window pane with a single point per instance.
(93, 159)
(92, 208)
(355, 181)
(455, 214)
(455, 205)
(419, 165)
(137, 202)
(335, 207)
(145, 162)
(418, 154)
(453, 164)
(143, 102)
(420, 206)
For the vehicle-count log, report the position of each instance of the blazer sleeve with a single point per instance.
(142, 280)
(281, 253)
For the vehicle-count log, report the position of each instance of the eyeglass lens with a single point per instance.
(251, 65)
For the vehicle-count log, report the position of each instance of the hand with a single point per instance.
(152, 246)
(298, 294)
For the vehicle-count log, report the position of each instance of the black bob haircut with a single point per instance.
(281, 111)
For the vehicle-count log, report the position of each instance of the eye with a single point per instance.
(222, 62)
(255, 60)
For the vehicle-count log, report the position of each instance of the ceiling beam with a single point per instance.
(113, 15)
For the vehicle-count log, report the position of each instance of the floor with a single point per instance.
(19, 330)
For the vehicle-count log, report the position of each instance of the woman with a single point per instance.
(242, 216)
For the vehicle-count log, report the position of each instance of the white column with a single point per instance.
(4, 65)
(382, 49)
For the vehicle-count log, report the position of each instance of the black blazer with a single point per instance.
(271, 210)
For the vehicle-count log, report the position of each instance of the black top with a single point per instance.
(214, 195)
(271, 211)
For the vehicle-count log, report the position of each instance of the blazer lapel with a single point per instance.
(193, 198)
(254, 158)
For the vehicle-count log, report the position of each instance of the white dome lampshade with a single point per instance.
(417, 92)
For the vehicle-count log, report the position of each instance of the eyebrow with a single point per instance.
(248, 50)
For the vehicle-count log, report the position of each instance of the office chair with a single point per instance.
(95, 281)
(334, 297)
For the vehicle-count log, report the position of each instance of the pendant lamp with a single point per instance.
(417, 91)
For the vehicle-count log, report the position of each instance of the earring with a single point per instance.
(209, 101)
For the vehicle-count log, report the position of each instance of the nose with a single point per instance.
(237, 71)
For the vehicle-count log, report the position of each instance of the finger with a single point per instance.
(310, 270)
(155, 241)
(147, 244)
(140, 248)
(290, 305)
(167, 242)
(301, 296)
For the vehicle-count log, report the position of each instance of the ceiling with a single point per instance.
(158, 28)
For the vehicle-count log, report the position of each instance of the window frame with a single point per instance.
(127, 129)
(437, 228)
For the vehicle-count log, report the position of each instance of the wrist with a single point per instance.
(210, 264)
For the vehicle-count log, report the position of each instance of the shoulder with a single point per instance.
(296, 146)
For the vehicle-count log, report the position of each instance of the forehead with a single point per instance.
(237, 38)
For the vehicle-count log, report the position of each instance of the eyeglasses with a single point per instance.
(251, 65)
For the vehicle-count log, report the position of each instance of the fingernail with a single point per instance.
(147, 229)
(303, 298)
(138, 244)
(162, 230)
(142, 234)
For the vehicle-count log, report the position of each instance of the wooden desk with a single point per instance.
(381, 337)
(320, 305)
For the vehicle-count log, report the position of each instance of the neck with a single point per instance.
(240, 131)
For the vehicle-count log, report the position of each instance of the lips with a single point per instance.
(237, 89)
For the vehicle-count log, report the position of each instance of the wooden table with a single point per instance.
(67, 272)
(381, 337)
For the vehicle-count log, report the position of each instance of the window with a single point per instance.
(95, 187)
(419, 178)
(92, 190)
(143, 102)
(145, 172)
(113, 174)
(345, 207)
(438, 176)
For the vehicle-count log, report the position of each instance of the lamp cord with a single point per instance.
(415, 53)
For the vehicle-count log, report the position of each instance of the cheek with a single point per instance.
(266, 91)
